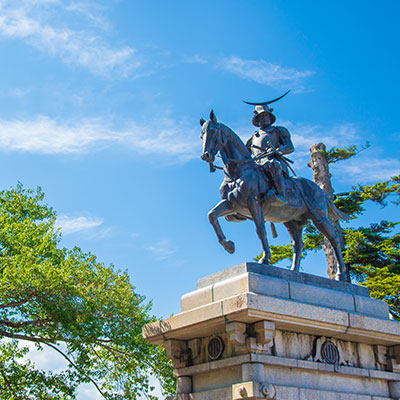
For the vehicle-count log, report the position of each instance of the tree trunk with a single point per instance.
(322, 177)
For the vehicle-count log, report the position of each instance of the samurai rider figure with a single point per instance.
(268, 146)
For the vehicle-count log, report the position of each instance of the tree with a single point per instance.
(66, 300)
(371, 254)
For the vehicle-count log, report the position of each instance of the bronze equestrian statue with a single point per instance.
(251, 190)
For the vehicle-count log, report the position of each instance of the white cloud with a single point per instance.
(265, 72)
(86, 391)
(33, 22)
(19, 93)
(162, 249)
(45, 135)
(366, 169)
(196, 59)
(70, 224)
(47, 358)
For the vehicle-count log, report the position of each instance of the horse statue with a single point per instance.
(243, 189)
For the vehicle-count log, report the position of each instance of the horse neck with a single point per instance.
(234, 148)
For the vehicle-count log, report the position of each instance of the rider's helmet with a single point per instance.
(261, 109)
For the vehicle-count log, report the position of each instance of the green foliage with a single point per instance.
(19, 379)
(384, 285)
(86, 312)
(372, 255)
(351, 203)
(336, 154)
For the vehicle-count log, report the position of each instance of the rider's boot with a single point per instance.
(276, 198)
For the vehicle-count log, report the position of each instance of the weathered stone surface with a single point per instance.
(286, 285)
(281, 273)
(296, 309)
(309, 394)
(388, 326)
(220, 394)
(394, 388)
(251, 283)
(371, 307)
(321, 296)
(253, 372)
(197, 298)
(184, 384)
(231, 287)
(224, 377)
(322, 380)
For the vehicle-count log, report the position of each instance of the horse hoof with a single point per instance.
(340, 277)
(264, 260)
(229, 246)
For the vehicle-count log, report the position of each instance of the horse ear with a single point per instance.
(202, 121)
(212, 116)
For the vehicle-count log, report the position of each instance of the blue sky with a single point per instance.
(100, 103)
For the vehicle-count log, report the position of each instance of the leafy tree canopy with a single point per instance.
(66, 300)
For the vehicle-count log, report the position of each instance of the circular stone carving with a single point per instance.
(215, 348)
(330, 352)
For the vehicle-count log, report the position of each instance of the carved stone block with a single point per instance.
(177, 352)
(236, 333)
(255, 347)
(392, 365)
(395, 353)
(253, 391)
(265, 332)
(319, 355)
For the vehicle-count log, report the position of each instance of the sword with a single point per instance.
(280, 156)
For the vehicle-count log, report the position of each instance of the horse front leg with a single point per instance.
(257, 214)
(223, 208)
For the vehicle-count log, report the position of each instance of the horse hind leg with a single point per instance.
(325, 227)
(295, 230)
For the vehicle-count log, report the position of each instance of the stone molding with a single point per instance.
(289, 363)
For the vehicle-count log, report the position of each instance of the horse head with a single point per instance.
(212, 136)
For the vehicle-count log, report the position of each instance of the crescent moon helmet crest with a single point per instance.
(265, 103)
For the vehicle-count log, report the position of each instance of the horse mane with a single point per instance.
(236, 140)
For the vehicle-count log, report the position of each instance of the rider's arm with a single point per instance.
(249, 144)
(286, 146)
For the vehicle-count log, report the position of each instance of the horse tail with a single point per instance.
(334, 212)
(304, 186)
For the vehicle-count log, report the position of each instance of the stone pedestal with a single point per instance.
(251, 332)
